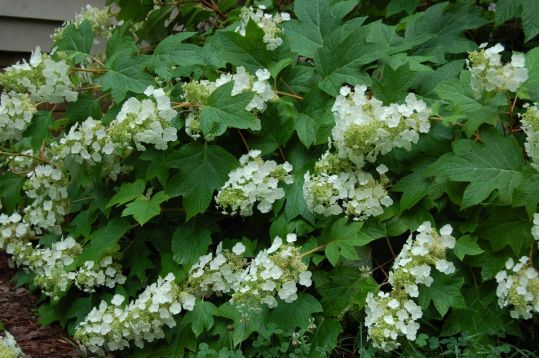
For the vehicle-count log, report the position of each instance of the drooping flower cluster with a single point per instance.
(113, 326)
(9, 347)
(488, 74)
(275, 271)
(101, 21)
(250, 283)
(16, 112)
(46, 187)
(390, 316)
(394, 314)
(86, 142)
(337, 186)
(255, 181)
(49, 265)
(92, 274)
(13, 228)
(413, 264)
(267, 22)
(535, 227)
(530, 124)
(45, 79)
(518, 287)
(197, 93)
(365, 128)
(146, 122)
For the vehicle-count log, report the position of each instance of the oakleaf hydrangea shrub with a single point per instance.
(308, 178)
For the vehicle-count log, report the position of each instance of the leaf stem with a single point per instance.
(318, 248)
(280, 93)
(243, 140)
(185, 104)
(91, 70)
(23, 155)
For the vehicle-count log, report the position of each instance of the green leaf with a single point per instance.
(144, 208)
(10, 191)
(467, 245)
(345, 286)
(324, 337)
(317, 19)
(127, 193)
(39, 130)
(86, 106)
(189, 242)
(493, 166)
(527, 193)
(102, 241)
(341, 239)
(506, 227)
(172, 51)
(444, 292)
(203, 169)
(76, 41)
(462, 104)
(530, 14)
(224, 110)
(249, 51)
(414, 186)
(394, 84)
(313, 124)
(295, 314)
(125, 73)
(532, 83)
(444, 25)
(507, 9)
(397, 6)
(201, 317)
(341, 62)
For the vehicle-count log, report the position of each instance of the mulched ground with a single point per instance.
(16, 313)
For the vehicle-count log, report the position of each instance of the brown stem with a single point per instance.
(280, 93)
(243, 140)
(23, 155)
(318, 248)
(185, 105)
(91, 70)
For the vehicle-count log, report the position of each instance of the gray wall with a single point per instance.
(25, 24)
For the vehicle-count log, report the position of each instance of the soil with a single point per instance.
(17, 307)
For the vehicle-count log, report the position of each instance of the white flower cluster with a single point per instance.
(488, 74)
(9, 347)
(275, 271)
(535, 227)
(413, 264)
(197, 93)
(337, 186)
(518, 286)
(85, 142)
(46, 188)
(43, 78)
(49, 266)
(144, 122)
(390, 315)
(530, 124)
(16, 112)
(365, 128)
(255, 181)
(267, 22)
(220, 273)
(113, 326)
(101, 20)
(13, 227)
(106, 272)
